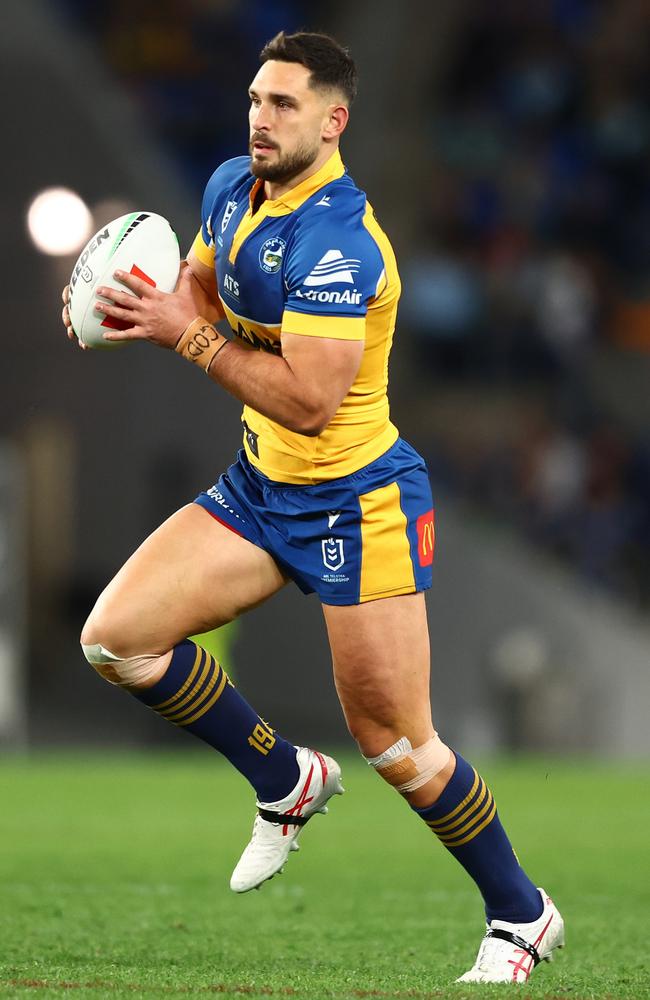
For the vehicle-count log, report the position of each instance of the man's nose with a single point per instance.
(260, 119)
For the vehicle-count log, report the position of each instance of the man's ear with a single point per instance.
(336, 121)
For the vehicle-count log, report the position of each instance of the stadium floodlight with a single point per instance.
(59, 221)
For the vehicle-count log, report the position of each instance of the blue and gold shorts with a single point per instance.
(350, 540)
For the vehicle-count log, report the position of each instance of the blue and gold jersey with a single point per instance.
(313, 262)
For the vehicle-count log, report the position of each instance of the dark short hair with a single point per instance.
(329, 63)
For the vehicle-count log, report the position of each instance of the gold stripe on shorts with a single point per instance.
(386, 565)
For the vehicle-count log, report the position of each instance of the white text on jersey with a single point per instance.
(347, 297)
(230, 285)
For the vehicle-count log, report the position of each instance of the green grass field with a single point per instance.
(114, 883)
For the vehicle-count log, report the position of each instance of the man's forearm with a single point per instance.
(262, 381)
(267, 384)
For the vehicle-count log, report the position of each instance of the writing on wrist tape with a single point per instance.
(200, 343)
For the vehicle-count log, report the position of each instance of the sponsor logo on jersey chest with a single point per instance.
(346, 297)
(230, 285)
(333, 268)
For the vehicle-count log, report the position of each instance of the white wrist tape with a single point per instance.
(407, 768)
(133, 671)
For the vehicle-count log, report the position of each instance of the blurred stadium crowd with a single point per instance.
(535, 255)
(188, 65)
(533, 251)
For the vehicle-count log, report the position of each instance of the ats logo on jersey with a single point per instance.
(271, 254)
(426, 538)
(230, 285)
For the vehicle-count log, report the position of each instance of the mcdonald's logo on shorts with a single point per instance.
(426, 538)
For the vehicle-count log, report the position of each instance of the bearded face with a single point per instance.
(286, 119)
(272, 163)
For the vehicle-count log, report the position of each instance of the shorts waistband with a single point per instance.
(364, 472)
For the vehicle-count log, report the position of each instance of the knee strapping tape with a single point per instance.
(406, 767)
(131, 671)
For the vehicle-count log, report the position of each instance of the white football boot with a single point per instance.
(278, 824)
(510, 952)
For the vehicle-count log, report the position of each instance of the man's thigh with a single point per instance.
(381, 658)
(191, 575)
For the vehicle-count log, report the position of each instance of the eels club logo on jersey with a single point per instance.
(271, 254)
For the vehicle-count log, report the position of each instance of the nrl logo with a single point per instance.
(333, 557)
(271, 254)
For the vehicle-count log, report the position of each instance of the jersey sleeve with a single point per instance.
(332, 271)
(203, 249)
(215, 198)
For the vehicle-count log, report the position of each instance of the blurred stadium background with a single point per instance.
(506, 147)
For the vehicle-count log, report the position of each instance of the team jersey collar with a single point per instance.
(330, 171)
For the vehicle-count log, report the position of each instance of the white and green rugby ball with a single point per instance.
(141, 243)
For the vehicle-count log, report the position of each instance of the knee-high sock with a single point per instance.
(465, 820)
(195, 692)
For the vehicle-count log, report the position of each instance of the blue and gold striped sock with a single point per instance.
(195, 692)
(465, 820)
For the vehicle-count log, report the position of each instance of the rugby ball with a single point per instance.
(141, 243)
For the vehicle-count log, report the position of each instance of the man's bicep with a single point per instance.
(326, 366)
